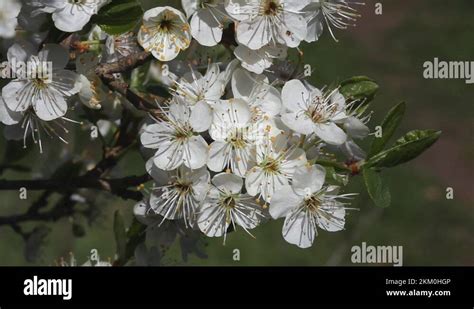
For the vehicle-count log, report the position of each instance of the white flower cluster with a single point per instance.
(232, 147)
(261, 145)
(264, 29)
(241, 154)
(35, 101)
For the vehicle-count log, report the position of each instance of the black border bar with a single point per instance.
(242, 285)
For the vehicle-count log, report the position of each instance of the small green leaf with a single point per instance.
(356, 79)
(360, 88)
(120, 235)
(136, 235)
(378, 192)
(405, 149)
(389, 125)
(119, 16)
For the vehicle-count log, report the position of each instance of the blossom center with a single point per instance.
(315, 112)
(183, 133)
(312, 203)
(183, 187)
(165, 25)
(271, 7)
(271, 166)
(228, 202)
(237, 140)
(40, 83)
(319, 111)
(77, 1)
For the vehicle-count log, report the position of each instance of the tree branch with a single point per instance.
(117, 186)
(106, 72)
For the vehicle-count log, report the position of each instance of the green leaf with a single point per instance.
(120, 235)
(389, 125)
(405, 149)
(360, 88)
(356, 79)
(136, 235)
(119, 16)
(378, 192)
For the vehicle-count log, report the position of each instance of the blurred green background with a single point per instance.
(391, 49)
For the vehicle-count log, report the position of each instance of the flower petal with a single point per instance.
(205, 28)
(308, 180)
(330, 133)
(331, 218)
(72, 18)
(253, 179)
(299, 229)
(284, 201)
(50, 105)
(218, 153)
(8, 117)
(298, 122)
(13, 92)
(228, 182)
(201, 117)
(294, 95)
(195, 152)
(355, 128)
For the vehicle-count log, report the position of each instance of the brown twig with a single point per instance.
(106, 72)
(117, 186)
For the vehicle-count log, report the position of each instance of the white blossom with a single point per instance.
(164, 33)
(234, 137)
(275, 165)
(310, 111)
(119, 46)
(175, 139)
(45, 94)
(262, 22)
(177, 194)
(225, 205)
(257, 61)
(21, 125)
(207, 20)
(201, 92)
(307, 204)
(334, 13)
(263, 99)
(194, 87)
(71, 15)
